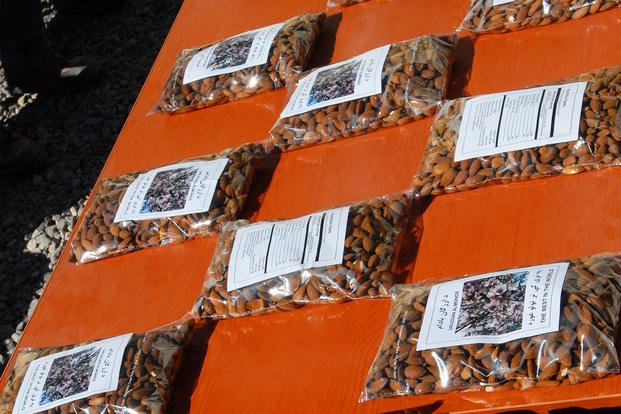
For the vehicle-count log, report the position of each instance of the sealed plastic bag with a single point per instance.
(537, 326)
(390, 85)
(166, 205)
(495, 16)
(564, 128)
(131, 373)
(244, 65)
(334, 3)
(332, 255)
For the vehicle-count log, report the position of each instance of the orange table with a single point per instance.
(316, 359)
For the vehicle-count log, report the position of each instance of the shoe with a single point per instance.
(48, 72)
(19, 155)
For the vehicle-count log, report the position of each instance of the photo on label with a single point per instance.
(69, 375)
(334, 83)
(231, 52)
(168, 190)
(492, 306)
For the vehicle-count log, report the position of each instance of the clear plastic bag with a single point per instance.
(99, 236)
(581, 349)
(598, 144)
(289, 53)
(496, 16)
(413, 78)
(146, 373)
(364, 271)
(335, 3)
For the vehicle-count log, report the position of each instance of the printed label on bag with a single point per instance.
(519, 119)
(499, 2)
(170, 191)
(493, 308)
(235, 53)
(265, 250)
(70, 375)
(341, 82)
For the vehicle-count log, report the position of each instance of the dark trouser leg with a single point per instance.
(22, 32)
(29, 64)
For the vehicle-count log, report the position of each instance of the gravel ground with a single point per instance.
(77, 131)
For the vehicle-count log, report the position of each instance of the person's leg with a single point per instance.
(29, 62)
(22, 33)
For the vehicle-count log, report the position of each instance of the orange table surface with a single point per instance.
(316, 359)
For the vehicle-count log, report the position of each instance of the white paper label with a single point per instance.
(493, 308)
(71, 375)
(355, 78)
(170, 191)
(235, 53)
(499, 2)
(262, 251)
(519, 119)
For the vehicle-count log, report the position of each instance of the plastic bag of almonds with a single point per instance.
(537, 326)
(334, 3)
(244, 65)
(333, 255)
(125, 374)
(496, 16)
(166, 205)
(387, 86)
(564, 128)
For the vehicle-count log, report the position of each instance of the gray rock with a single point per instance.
(50, 231)
(41, 239)
(31, 308)
(31, 245)
(60, 223)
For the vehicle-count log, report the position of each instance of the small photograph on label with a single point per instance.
(335, 83)
(69, 375)
(231, 52)
(168, 190)
(492, 306)
(355, 78)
